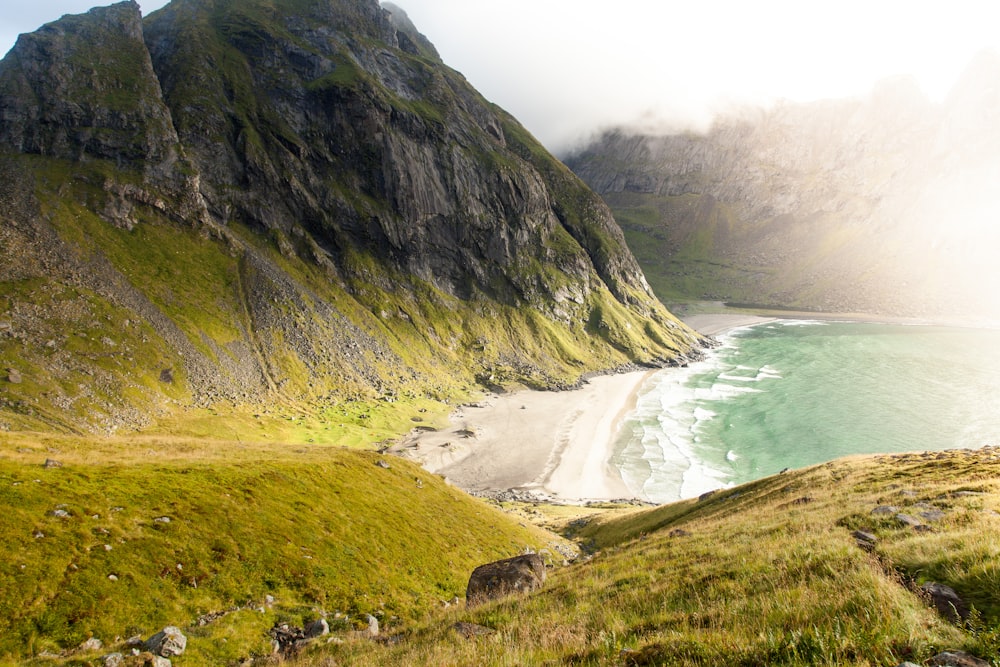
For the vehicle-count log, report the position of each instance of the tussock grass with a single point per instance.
(767, 573)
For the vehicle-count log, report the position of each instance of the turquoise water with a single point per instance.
(788, 394)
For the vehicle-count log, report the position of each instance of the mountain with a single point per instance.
(881, 204)
(264, 204)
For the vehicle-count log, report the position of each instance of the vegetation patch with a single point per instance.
(126, 536)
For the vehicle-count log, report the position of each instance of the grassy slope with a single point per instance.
(767, 573)
(318, 528)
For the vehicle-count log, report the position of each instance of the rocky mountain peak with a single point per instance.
(303, 201)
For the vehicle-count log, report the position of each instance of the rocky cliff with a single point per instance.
(882, 204)
(238, 201)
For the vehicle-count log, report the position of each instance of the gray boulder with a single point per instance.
(168, 642)
(503, 577)
(92, 644)
(317, 628)
(911, 521)
(957, 659)
(946, 601)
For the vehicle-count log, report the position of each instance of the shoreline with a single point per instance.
(546, 445)
(557, 446)
(553, 446)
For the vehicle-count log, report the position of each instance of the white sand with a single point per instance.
(556, 444)
(711, 324)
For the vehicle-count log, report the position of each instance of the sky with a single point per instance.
(568, 68)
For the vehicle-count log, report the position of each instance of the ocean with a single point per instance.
(792, 393)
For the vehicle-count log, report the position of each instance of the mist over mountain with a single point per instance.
(883, 204)
(240, 202)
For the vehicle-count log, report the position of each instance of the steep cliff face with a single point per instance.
(879, 204)
(252, 200)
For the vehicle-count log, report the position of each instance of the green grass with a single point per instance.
(767, 573)
(321, 529)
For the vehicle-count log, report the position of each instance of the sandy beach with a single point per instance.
(552, 444)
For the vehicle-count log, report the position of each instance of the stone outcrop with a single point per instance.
(520, 574)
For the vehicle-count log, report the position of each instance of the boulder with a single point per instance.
(92, 644)
(946, 601)
(317, 628)
(865, 540)
(957, 659)
(169, 641)
(907, 520)
(113, 660)
(503, 577)
(932, 515)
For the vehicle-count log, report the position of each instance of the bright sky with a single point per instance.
(568, 67)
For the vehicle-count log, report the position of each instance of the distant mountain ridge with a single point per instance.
(249, 201)
(883, 204)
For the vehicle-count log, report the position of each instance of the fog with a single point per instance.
(567, 68)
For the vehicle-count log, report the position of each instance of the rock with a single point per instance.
(911, 521)
(317, 628)
(678, 532)
(932, 515)
(885, 509)
(286, 638)
(14, 376)
(382, 464)
(51, 463)
(865, 540)
(112, 577)
(113, 660)
(471, 630)
(957, 659)
(169, 641)
(92, 644)
(908, 664)
(60, 514)
(946, 601)
(372, 630)
(167, 376)
(494, 580)
(162, 519)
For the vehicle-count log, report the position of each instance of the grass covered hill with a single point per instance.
(116, 538)
(820, 566)
(769, 573)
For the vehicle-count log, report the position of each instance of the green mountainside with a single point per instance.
(882, 204)
(254, 203)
